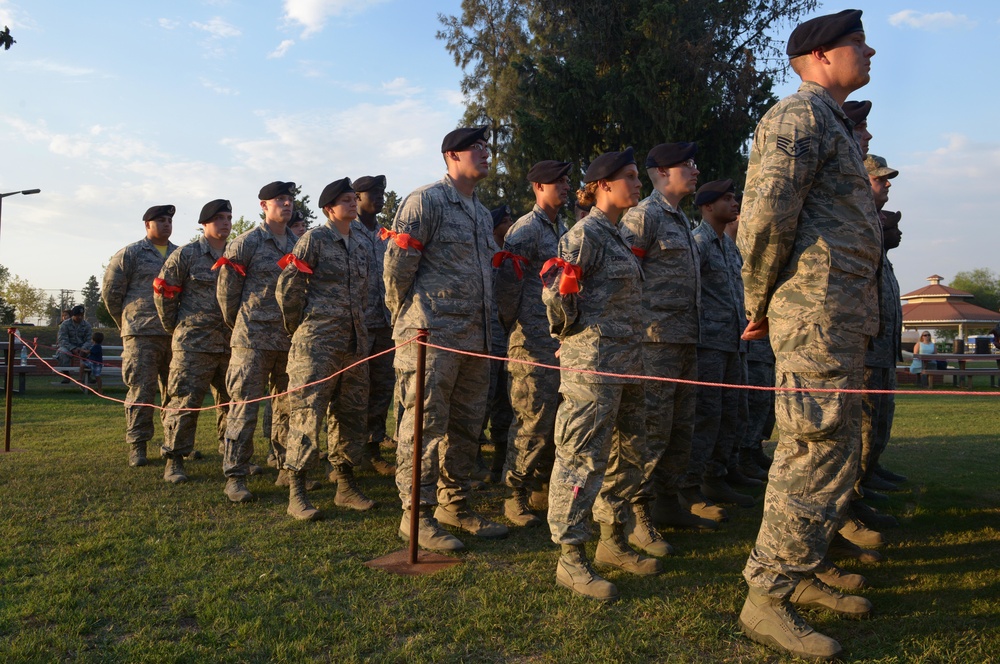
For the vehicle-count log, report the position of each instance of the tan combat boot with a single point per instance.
(858, 533)
(773, 621)
(573, 571)
(814, 594)
(137, 455)
(236, 490)
(643, 535)
(173, 471)
(837, 577)
(669, 512)
(695, 501)
(430, 535)
(613, 551)
(717, 490)
(517, 511)
(299, 506)
(841, 547)
(374, 462)
(284, 479)
(459, 515)
(539, 500)
(348, 493)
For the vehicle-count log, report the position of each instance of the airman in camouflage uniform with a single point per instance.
(248, 272)
(74, 336)
(184, 295)
(439, 277)
(811, 243)
(322, 294)
(534, 392)
(128, 295)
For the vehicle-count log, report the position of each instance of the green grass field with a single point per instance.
(100, 562)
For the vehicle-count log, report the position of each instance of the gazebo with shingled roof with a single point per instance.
(938, 307)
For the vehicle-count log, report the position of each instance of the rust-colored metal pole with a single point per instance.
(418, 440)
(10, 388)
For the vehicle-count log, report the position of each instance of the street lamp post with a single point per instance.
(26, 192)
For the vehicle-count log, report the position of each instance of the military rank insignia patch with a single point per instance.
(794, 149)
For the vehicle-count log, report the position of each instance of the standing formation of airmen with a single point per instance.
(632, 289)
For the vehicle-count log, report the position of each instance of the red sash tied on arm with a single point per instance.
(161, 287)
(519, 261)
(570, 280)
(299, 264)
(402, 240)
(237, 268)
(639, 253)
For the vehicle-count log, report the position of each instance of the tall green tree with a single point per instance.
(91, 298)
(28, 301)
(53, 312)
(388, 212)
(984, 285)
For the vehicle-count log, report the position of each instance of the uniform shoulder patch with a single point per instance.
(796, 148)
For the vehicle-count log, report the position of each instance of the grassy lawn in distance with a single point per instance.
(100, 562)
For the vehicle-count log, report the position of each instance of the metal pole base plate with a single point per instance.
(398, 562)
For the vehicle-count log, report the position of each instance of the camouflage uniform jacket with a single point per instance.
(127, 290)
(809, 232)
(376, 313)
(330, 303)
(600, 328)
(671, 294)
(519, 300)
(886, 349)
(721, 309)
(446, 287)
(247, 302)
(72, 336)
(193, 315)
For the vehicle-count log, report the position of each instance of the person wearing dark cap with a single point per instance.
(593, 295)
(381, 378)
(439, 278)
(322, 294)
(857, 112)
(670, 300)
(297, 226)
(184, 295)
(811, 244)
(534, 392)
(73, 338)
(127, 291)
(248, 272)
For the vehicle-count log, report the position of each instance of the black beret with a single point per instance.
(823, 30)
(666, 155)
(461, 139)
(499, 214)
(297, 217)
(332, 191)
(548, 171)
(892, 218)
(608, 164)
(159, 211)
(213, 208)
(857, 111)
(713, 191)
(77, 310)
(369, 182)
(275, 189)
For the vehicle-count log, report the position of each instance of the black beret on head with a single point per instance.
(332, 191)
(548, 171)
(823, 30)
(608, 164)
(159, 211)
(713, 191)
(213, 208)
(297, 217)
(77, 310)
(666, 155)
(499, 214)
(275, 189)
(369, 182)
(461, 139)
(857, 111)
(892, 218)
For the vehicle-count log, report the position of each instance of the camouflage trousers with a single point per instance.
(499, 415)
(716, 415)
(601, 457)
(534, 399)
(816, 461)
(145, 368)
(343, 399)
(760, 405)
(669, 415)
(877, 411)
(381, 379)
(251, 373)
(455, 391)
(192, 374)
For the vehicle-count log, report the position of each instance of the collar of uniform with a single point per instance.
(152, 247)
(544, 218)
(664, 203)
(206, 248)
(821, 92)
(452, 191)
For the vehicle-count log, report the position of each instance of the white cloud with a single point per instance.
(911, 18)
(13, 16)
(313, 14)
(58, 68)
(95, 143)
(218, 28)
(218, 89)
(282, 48)
(400, 87)
(168, 24)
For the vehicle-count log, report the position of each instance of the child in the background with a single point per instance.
(96, 357)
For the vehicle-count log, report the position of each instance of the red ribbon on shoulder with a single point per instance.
(519, 262)
(161, 287)
(237, 268)
(570, 280)
(403, 240)
(299, 264)
(639, 253)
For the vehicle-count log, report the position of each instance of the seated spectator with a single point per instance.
(923, 347)
(96, 357)
(74, 337)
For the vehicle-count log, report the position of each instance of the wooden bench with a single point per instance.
(22, 372)
(962, 374)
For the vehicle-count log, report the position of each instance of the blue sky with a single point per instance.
(110, 107)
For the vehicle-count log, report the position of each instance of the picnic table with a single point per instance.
(957, 366)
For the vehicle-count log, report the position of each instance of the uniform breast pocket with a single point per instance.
(454, 233)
